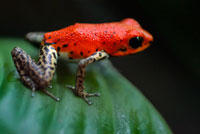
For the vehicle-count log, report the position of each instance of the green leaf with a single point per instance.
(121, 108)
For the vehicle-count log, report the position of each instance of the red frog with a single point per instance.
(85, 43)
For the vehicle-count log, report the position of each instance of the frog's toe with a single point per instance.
(93, 94)
(51, 95)
(87, 100)
(50, 86)
(85, 95)
(70, 87)
(33, 92)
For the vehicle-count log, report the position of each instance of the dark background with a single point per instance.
(168, 73)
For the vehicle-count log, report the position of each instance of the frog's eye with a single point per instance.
(136, 42)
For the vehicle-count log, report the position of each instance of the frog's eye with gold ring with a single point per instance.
(136, 42)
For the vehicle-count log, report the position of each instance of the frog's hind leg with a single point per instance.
(79, 87)
(36, 76)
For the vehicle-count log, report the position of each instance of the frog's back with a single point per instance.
(81, 40)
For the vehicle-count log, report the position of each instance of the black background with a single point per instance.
(168, 73)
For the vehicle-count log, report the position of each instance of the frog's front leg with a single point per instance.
(35, 37)
(79, 87)
(36, 76)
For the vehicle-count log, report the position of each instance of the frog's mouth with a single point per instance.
(123, 52)
(145, 46)
(139, 49)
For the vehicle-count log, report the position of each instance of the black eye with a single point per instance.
(136, 42)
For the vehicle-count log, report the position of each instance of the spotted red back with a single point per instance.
(81, 40)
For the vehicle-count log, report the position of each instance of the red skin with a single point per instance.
(82, 40)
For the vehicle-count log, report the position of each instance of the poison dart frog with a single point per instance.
(85, 43)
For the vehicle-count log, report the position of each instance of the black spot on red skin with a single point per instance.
(88, 51)
(97, 49)
(71, 52)
(75, 44)
(111, 36)
(114, 43)
(66, 45)
(104, 43)
(58, 49)
(81, 53)
(49, 37)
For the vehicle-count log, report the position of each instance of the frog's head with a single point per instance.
(136, 39)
